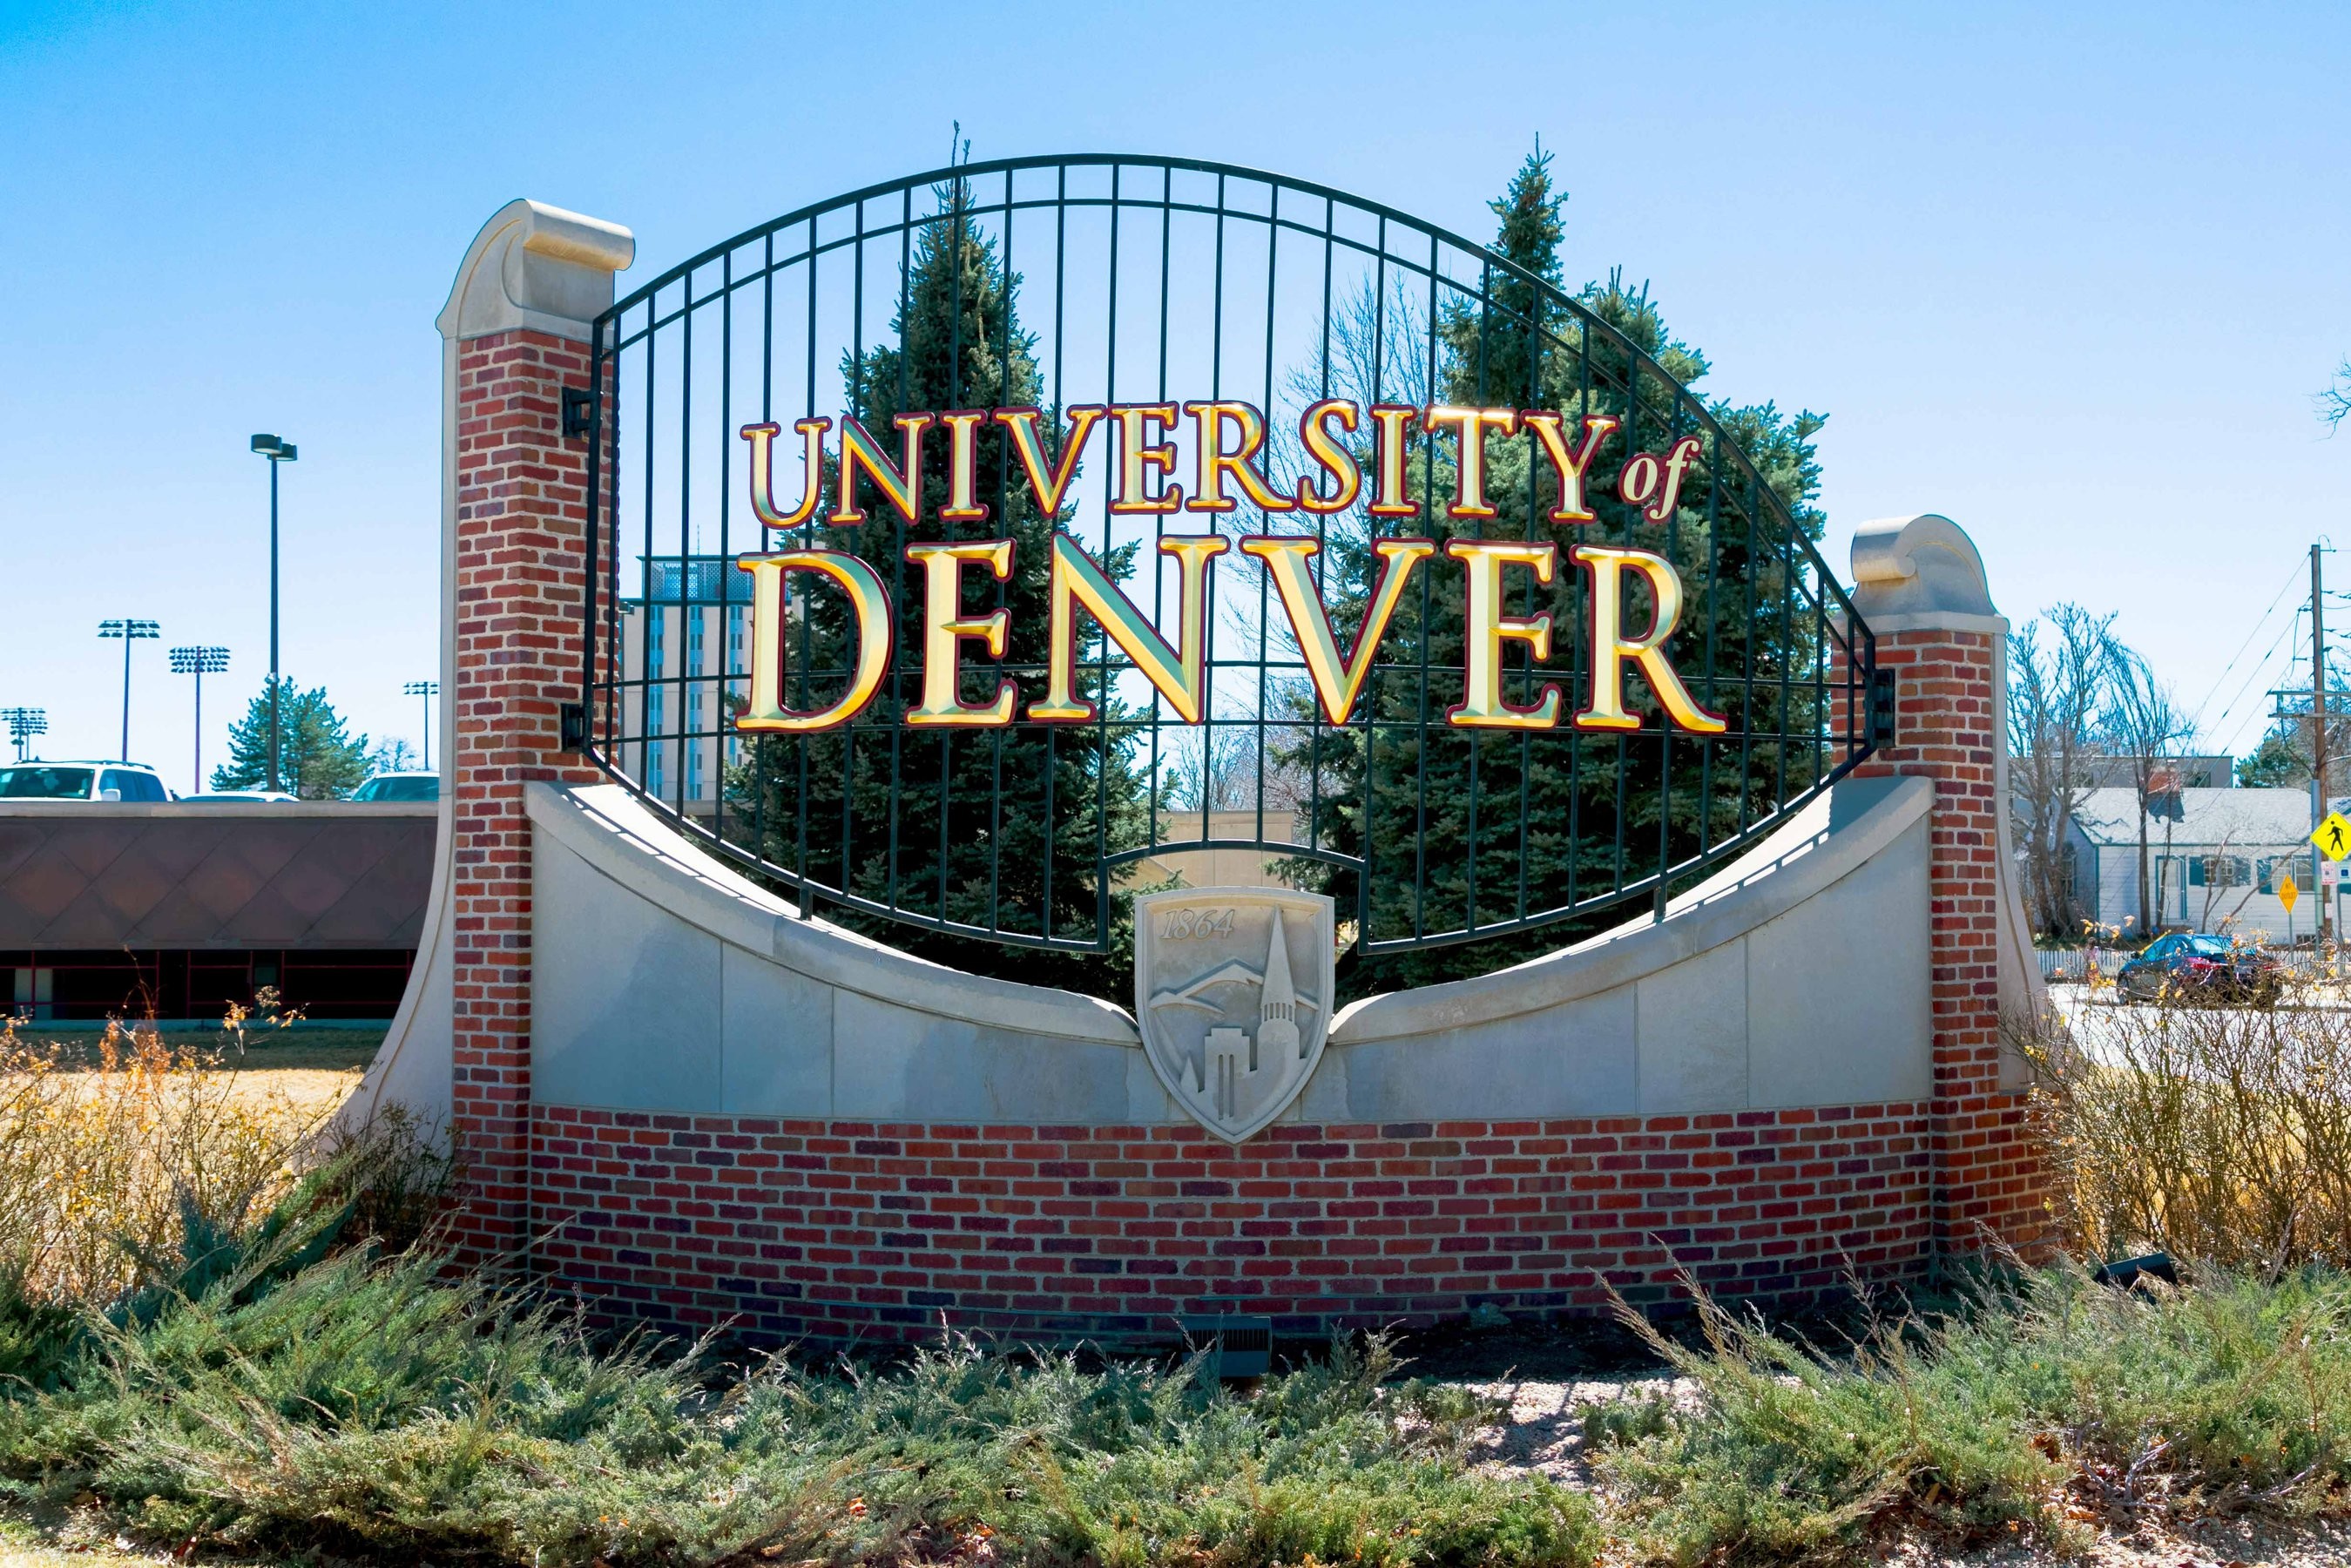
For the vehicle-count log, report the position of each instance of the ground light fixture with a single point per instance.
(199, 661)
(127, 631)
(24, 723)
(428, 690)
(276, 450)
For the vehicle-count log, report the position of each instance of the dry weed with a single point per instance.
(2216, 1133)
(98, 1159)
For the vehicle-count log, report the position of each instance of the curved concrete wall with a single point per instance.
(1797, 976)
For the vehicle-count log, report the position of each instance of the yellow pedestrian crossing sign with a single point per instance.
(2287, 894)
(2333, 836)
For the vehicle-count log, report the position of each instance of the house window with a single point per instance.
(2220, 870)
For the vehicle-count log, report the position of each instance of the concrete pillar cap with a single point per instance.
(539, 267)
(1922, 565)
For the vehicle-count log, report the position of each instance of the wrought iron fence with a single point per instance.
(1098, 280)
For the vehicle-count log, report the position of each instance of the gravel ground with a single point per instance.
(1545, 1435)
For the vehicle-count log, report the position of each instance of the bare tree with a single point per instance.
(2057, 695)
(2335, 403)
(2142, 724)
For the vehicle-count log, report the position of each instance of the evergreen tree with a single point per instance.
(948, 848)
(1440, 812)
(317, 758)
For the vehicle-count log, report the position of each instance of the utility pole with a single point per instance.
(2318, 807)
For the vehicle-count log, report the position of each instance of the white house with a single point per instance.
(2217, 867)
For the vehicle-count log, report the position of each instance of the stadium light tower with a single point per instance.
(199, 663)
(126, 630)
(277, 451)
(24, 723)
(428, 690)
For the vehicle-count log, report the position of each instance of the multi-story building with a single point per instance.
(685, 648)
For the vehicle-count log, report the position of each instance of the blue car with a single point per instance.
(2187, 968)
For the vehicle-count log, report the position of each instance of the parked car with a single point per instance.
(400, 787)
(82, 781)
(2189, 967)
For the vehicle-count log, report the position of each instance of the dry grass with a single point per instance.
(101, 1151)
(2218, 1134)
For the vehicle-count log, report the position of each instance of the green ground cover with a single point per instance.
(274, 1388)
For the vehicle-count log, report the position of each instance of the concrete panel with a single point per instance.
(625, 996)
(1840, 1008)
(1693, 1034)
(893, 1063)
(1796, 975)
(777, 1031)
(1576, 1059)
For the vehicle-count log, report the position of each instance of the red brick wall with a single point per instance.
(522, 517)
(1986, 1173)
(831, 1229)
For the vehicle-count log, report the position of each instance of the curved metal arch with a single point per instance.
(682, 272)
(1687, 414)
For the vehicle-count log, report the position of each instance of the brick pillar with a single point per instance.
(1919, 585)
(516, 334)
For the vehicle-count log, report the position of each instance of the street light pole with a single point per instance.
(199, 663)
(277, 452)
(129, 629)
(428, 690)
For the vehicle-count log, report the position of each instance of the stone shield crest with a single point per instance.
(1233, 991)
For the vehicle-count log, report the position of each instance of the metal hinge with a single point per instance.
(1882, 706)
(579, 412)
(573, 717)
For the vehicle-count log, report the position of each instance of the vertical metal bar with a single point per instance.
(1370, 846)
(1747, 710)
(800, 743)
(1052, 524)
(1428, 504)
(684, 692)
(723, 690)
(646, 685)
(1264, 583)
(954, 400)
(1577, 653)
(898, 555)
(757, 765)
(1624, 536)
(1315, 731)
(1003, 527)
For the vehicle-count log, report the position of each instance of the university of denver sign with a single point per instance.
(969, 540)
(1227, 442)
(835, 1139)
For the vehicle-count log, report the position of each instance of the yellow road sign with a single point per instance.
(2333, 836)
(2287, 894)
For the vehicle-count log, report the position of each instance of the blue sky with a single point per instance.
(2070, 275)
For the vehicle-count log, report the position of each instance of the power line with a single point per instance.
(2286, 639)
(2291, 578)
